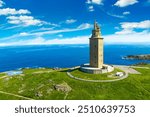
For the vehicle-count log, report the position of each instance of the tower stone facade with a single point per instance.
(96, 48)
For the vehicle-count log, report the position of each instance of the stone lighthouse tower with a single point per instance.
(96, 48)
(96, 65)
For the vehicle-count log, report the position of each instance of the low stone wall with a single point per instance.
(91, 71)
(106, 69)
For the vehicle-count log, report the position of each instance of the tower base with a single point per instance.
(105, 69)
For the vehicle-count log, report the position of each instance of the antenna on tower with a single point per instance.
(95, 25)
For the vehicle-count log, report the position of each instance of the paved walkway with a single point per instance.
(81, 79)
(11, 94)
(140, 67)
(127, 69)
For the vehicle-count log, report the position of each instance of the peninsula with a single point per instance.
(138, 57)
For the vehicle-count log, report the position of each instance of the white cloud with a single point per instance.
(91, 3)
(60, 35)
(127, 35)
(73, 40)
(142, 25)
(124, 3)
(70, 21)
(1, 3)
(12, 27)
(23, 20)
(115, 15)
(128, 38)
(84, 26)
(99, 2)
(91, 8)
(42, 41)
(108, 39)
(39, 32)
(129, 27)
(10, 11)
(88, 2)
(20, 18)
(23, 34)
(36, 41)
(43, 29)
(125, 31)
(126, 13)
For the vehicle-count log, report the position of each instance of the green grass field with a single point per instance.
(80, 74)
(2, 74)
(41, 84)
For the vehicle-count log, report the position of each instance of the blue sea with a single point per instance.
(12, 58)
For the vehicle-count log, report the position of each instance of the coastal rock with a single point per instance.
(138, 57)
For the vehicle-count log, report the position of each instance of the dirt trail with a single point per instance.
(11, 94)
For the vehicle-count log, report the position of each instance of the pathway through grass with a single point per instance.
(11, 94)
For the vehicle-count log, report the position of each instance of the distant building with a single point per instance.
(96, 48)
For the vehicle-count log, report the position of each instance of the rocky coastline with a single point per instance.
(138, 57)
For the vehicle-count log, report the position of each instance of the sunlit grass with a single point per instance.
(41, 86)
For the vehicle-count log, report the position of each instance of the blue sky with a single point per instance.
(34, 22)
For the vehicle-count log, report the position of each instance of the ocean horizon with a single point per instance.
(65, 56)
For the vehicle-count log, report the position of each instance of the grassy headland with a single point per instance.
(51, 84)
